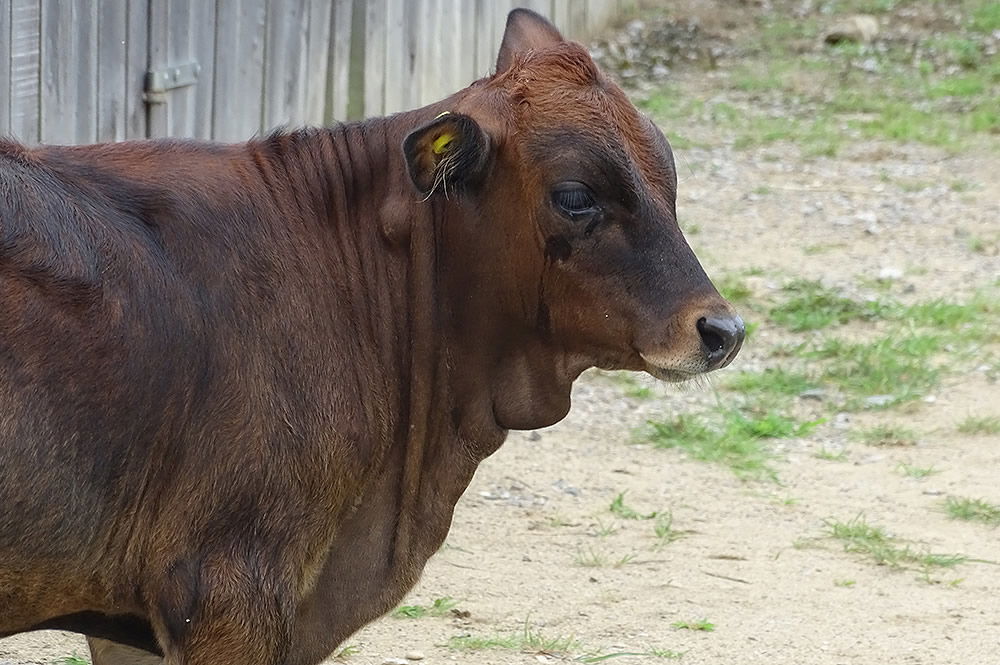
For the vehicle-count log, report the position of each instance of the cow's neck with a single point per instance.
(464, 376)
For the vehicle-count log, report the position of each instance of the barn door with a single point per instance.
(229, 69)
(180, 80)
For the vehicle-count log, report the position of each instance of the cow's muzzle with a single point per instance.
(721, 339)
(704, 341)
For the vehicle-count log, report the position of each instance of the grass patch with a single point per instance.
(887, 436)
(875, 543)
(844, 583)
(972, 510)
(591, 558)
(980, 425)
(831, 455)
(630, 385)
(702, 624)
(344, 653)
(731, 438)
(527, 639)
(666, 654)
(918, 472)
(773, 381)
(734, 289)
(438, 607)
(897, 367)
(74, 660)
(664, 530)
(619, 508)
(814, 306)
(986, 17)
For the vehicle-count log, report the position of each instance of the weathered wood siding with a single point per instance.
(74, 71)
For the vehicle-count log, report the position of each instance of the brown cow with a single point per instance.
(243, 386)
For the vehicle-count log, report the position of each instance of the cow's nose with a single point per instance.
(721, 338)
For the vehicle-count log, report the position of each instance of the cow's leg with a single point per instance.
(225, 612)
(106, 652)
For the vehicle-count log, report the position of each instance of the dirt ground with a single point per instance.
(537, 558)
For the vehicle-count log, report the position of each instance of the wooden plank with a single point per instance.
(59, 54)
(560, 15)
(338, 90)
(5, 52)
(112, 31)
(577, 26)
(593, 16)
(285, 67)
(429, 64)
(402, 88)
(375, 43)
(158, 59)
(136, 63)
(68, 66)
(359, 50)
(450, 48)
(486, 54)
(468, 72)
(25, 62)
(191, 38)
(317, 60)
(238, 82)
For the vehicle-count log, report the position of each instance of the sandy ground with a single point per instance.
(752, 559)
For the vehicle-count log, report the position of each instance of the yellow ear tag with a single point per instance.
(442, 143)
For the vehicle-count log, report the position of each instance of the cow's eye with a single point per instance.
(574, 199)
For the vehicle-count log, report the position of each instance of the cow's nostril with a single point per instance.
(721, 337)
(710, 338)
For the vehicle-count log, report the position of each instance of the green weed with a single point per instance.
(438, 607)
(664, 530)
(831, 455)
(527, 639)
(860, 537)
(887, 436)
(773, 381)
(344, 653)
(898, 367)
(702, 624)
(980, 425)
(972, 510)
(917, 472)
(74, 660)
(814, 306)
(619, 508)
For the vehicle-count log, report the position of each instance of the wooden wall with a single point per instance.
(74, 71)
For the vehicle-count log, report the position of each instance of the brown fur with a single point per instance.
(243, 386)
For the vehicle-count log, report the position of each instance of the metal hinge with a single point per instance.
(159, 81)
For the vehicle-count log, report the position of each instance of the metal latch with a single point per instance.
(159, 81)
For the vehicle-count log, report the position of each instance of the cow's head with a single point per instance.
(566, 230)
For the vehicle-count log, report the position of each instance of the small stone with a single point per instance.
(817, 394)
(860, 28)
(534, 436)
(879, 400)
(867, 217)
(395, 661)
(930, 399)
(414, 655)
(869, 65)
(890, 272)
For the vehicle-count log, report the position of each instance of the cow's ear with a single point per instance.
(448, 154)
(525, 30)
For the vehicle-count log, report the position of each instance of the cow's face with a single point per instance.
(580, 188)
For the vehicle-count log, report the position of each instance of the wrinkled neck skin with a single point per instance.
(468, 371)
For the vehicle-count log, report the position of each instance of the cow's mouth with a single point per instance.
(668, 374)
